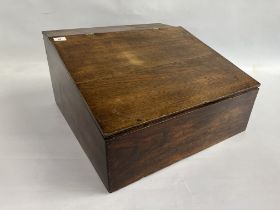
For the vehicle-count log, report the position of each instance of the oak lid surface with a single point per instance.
(130, 78)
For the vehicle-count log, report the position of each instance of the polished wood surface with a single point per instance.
(140, 153)
(130, 78)
(141, 97)
(76, 112)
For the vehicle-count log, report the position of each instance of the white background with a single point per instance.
(43, 167)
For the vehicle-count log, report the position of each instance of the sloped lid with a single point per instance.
(130, 78)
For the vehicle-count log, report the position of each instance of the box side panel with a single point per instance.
(137, 154)
(76, 112)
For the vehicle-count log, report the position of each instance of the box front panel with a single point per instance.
(137, 154)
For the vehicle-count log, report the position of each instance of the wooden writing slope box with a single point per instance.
(141, 97)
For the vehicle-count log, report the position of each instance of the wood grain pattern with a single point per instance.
(127, 78)
(141, 97)
(138, 154)
(77, 113)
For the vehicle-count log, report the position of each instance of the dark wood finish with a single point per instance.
(142, 97)
(76, 112)
(128, 77)
(137, 154)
